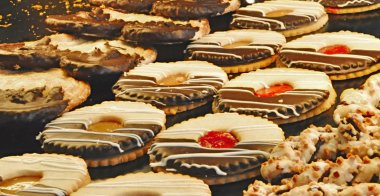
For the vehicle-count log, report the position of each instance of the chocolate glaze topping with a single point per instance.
(190, 9)
(136, 6)
(347, 3)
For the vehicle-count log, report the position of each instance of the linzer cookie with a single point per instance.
(42, 174)
(135, 6)
(349, 6)
(283, 95)
(291, 18)
(173, 87)
(38, 96)
(147, 184)
(156, 29)
(194, 9)
(217, 148)
(105, 134)
(341, 55)
(91, 60)
(237, 51)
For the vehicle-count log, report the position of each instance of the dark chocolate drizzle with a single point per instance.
(347, 3)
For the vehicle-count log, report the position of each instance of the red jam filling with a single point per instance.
(273, 90)
(335, 49)
(218, 139)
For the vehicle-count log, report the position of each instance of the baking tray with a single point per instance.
(23, 21)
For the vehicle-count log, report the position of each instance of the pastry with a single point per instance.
(291, 18)
(193, 9)
(342, 55)
(237, 51)
(38, 96)
(217, 148)
(282, 95)
(104, 134)
(173, 87)
(349, 6)
(147, 184)
(136, 6)
(42, 174)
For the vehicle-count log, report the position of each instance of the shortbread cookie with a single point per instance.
(195, 9)
(237, 51)
(156, 29)
(349, 6)
(135, 6)
(42, 174)
(173, 87)
(283, 95)
(105, 134)
(291, 18)
(38, 96)
(217, 148)
(147, 184)
(341, 55)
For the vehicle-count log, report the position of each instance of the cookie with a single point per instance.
(147, 184)
(173, 87)
(90, 60)
(237, 51)
(38, 96)
(104, 134)
(217, 148)
(349, 6)
(42, 174)
(291, 18)
(156, 29)
(135, 6)
(187, 10)
(282, 95)
(342, 55)
(94, 23)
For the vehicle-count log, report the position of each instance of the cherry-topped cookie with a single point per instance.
(341, 55)
(283, 95)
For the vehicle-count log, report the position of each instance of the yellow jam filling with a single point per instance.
(278, 13)
(173, 80)
(14, 185)
(105, 126)
(237, 44)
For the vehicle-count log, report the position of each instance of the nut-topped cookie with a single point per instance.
(283, 95)
(42, 174)
(237, 51)
(218, 148)
(341, 55)
(291, 18)
(105, 134)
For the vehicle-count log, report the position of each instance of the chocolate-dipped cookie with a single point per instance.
(342, 55)
(217, 148)
(283, 95)
(147, 184)
(38, 96)
(349, 6)
(104, 134)
(135, 6)
(291, 18)
(173, 87)
(156, 29)
(42, 174)
(237, 51)
(194, 9)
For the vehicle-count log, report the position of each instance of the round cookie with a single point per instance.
(217, 148)
(173, 87)
(156, 29)
(147, 184)
(291, 18)
(349, 6)
(237, 51)
(42, 174)
(194, 9)
(283, 95)
(342, 55)
(136, 6)
(38, 96)
(105, 134)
